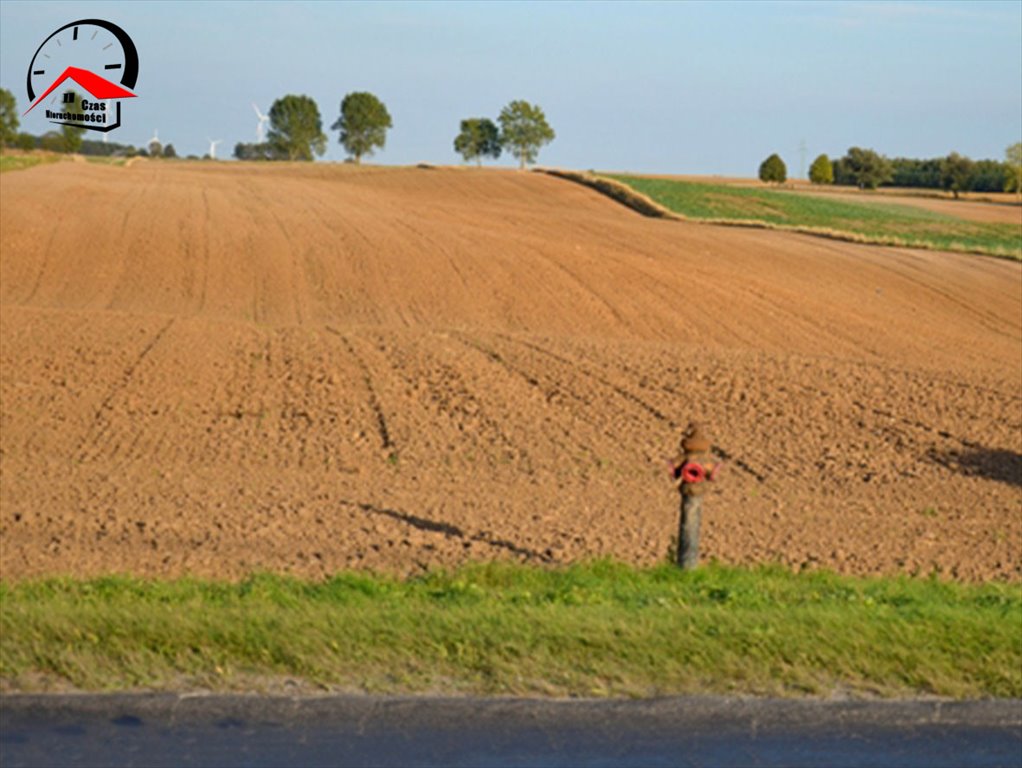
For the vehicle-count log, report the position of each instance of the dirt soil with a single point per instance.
(217, 368)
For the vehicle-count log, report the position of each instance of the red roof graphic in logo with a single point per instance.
(97, 86)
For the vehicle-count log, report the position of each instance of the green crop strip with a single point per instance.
(21, 162)
(883, 223)
(598, 629)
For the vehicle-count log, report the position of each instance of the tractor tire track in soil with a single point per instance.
(630, 397)
(374, 401)
(306, 368)
(101, 422)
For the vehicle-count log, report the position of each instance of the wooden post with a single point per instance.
(688, 531)
(692, 469)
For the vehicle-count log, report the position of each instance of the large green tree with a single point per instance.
(523, 130)
(479, 138)
(773, 169)
(956, 173)
(296, 129)
(1013, 173)
(71, 136)
(8, 118)
(363, 124)
(821, 171)
(867, 169)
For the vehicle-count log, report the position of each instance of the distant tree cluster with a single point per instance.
(99, 148)
(867, 169)
(296, 129)
(863, 168)
(296, 132)
(523, 131)
(263, 151)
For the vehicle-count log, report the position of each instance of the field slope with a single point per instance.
(214, 369)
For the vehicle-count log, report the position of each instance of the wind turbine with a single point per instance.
(263, 120)
(212, 148)
(154, 140)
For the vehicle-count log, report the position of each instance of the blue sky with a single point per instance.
(674, 87)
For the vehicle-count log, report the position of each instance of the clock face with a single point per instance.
(91, 44)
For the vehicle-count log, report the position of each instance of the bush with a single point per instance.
(773, 169)
(821, 171)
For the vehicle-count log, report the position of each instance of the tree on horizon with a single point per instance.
(956, 173)
(479, 138)
(296, 129)
(821, 171)
(867, 168)
(523, 130)
(363, 124)
(773, 169)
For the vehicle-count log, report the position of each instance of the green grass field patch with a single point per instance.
(885, 223)
(21, 162)
(601, 629)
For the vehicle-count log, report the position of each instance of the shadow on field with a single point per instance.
(990, 463)
(453, 531)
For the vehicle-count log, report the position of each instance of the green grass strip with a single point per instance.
(21, 162)
(883, 223)
(601, 629)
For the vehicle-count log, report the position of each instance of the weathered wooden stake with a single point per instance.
(692, 469)
(688, 531)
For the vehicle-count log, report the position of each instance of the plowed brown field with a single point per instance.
(218, 368)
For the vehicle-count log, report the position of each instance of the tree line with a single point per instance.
(868, 169)
(296, 131)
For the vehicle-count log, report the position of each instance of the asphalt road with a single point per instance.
(206, 730)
